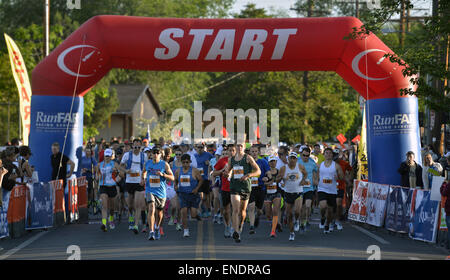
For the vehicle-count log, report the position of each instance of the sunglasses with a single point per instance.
(186, 162)
(156, 152)
(178, 155)
(305, 155)
(136, 147)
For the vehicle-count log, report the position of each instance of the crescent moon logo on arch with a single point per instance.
(355, 64)
(63, 55)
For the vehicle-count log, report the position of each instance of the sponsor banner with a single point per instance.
(358, 209)
(73, 199)
(82, 192)
(392, 127)
(49, 124)
(58, 194)
(425, 218)
(376, 203)
(4, 231)
(20, 74)
(17, 204)
(398, 209)
(40, 206)
(443, 224)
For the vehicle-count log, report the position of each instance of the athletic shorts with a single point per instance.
(121, 185)
(90, 183)
(205, 187)
(282, 193)
(159, 202)
(330, 198)
(225, 198)
(217, 183)
(340, 194)
(131, 188)
(271, 196)
(111, 191)
(170, 192)
(308, 196)
(257, 195)
(188, 200)
(243, 195)
(291, 197)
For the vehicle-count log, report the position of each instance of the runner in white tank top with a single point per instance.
(294, 176)
(329, 173)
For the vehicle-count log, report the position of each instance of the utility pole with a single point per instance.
(46, 27)
(402, 25)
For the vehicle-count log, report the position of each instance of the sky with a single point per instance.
(277, 4)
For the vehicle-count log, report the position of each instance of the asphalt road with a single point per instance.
(208, 243)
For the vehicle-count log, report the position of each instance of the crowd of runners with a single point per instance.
(232, 184)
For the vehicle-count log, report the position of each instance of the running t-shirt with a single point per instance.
(264, 166)
(106, 172)
(155, 184)
(186, 182)
(240, 169)
(327, 178)
(292, 179)
(272, 187)
(345, 167)
(310, 167)
(134, 177)
(201, 166)
(219, 166)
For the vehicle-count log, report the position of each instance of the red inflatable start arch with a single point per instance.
(225, 45)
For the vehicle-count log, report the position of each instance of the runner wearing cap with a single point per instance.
(175, 217)
(215, 185)
(294, 176)
(241, 168)
(188, 181)
(133, 162)
(202, 157)
(107, 190)
(329, 173)
(308, 189)
(155, 175)
(225, 197)
(258, 192)
(272, 200)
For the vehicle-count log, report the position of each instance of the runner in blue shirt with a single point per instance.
(308, 190)
(155, 175)
(203, 160)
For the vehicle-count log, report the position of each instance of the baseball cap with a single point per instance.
(108, 153)
(302, 148)
(447, 155)
(272, 158)
(336, 151)
(145, 140)
(293, 154)
(147, 149)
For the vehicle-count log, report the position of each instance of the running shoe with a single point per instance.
(186, 233)
(331, 227)
(151, 235)
(273, 234)
(178, 227)
(171, 223)
(144, 229)
(104, 228)
(339, 225)
(302, 228)
(136, 229)
(292, 236)
(198, 217)
(322, 224)
(204, 214)
(236, 237)
(326, 229)
(215, 219)
(296, 226)
(112, 225)
(208, 214)
(227, 233)
(157, 234)
(220, 219)
(161, 231)
(252, 230)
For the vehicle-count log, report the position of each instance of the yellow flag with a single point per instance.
(363, 167)
(23, 85)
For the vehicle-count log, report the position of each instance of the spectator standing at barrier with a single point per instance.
(430, 169)
(411, 172)
(445, 162)
(445, 191)
(87, 168)
(3, 172)
(59, 163)
(9, 178)
(25, 154)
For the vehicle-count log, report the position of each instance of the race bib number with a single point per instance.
(201, 171)
(307, 182)
(185, 180)
(327, 180)
(135, 174)
(238, 171)
(292, 176)
(272, 188)
(254, 181)
(154, 181)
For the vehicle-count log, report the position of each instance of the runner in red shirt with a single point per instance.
(346, 169)
(225, 198)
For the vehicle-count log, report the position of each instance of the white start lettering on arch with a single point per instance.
(222, 47)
